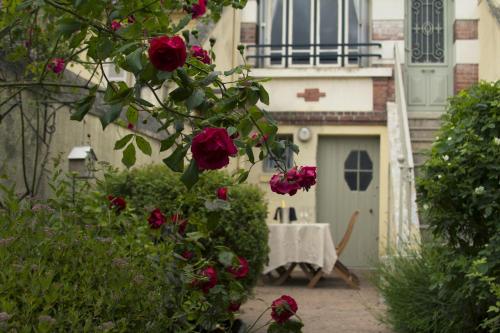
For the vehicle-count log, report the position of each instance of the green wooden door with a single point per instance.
(428, 37)
(348, 180)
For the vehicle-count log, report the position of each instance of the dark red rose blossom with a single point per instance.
(283, 308)
(211, 274)
(130, 126)
(212, 147)
(263, 139)
(285, 183)
(117, 203)
(201, 54)
(233, 306)
(188, 255)
(222, 193)
(156, 219)
(182, 223)
(56, 65)
(167, 53)
(131, 19)
(199, 9)
(240, 271)
(116, 25)
(307, 177)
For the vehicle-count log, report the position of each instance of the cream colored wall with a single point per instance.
(307, 156)
(489, 44)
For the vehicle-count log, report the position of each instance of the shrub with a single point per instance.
(79, 266)
(238, 224)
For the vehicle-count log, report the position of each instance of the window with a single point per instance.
(268, 165)
(358, 170)
(427, 31)
(312, 32)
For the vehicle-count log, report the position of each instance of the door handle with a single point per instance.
(428, 70)
(371, 211)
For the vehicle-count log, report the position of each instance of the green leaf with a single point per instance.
(132, 115)
(195, 99)
(210, 78)
(245, 127)
(111, 115)
(168, 142)
(289, 326)
(83, 107)
(264, 96)
(129, 155)
(176, 160)
(243, 176)
(143, 145)
(182, 23)
(133, 60)
(123, 141)
(226, 258)
(191, 175)
(180, 94)
(249, 152)
(68, 25)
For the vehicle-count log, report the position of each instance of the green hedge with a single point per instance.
(241, 225)
(453, 287)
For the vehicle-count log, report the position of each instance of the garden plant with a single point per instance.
(452, 284)
(96, 262)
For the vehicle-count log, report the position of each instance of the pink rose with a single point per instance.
(118, 203)
(262, 139)
(182, 223)
(211, 274)
(307, 177)
(56, 65)
(199, 9)
(222, 193)
(167, 54)
(156, 219)
(212, 147)
(115, 25)
(201, 54)
(283, 308)
(240, 271)
(285, 183)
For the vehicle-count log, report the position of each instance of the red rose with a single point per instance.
(56, 65)
(118, 203)
(201, 54)
(115, 25)
(233, 306)
(307, 177)
(262, 139)
(283, 308)
(212, 147)
(211, 274)
(222, 193)
(167, 54)
(285, 183)
(156, 219)
(182, 223)
(239, 272)
(188, 255)
(199, 9)
(130, 126)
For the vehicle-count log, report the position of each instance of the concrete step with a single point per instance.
(419, 158)
(423, 132)
(421, 145)
(424, 122)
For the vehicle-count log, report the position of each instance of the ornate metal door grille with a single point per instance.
(427, 31)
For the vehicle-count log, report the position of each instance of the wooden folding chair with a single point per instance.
(350, 278)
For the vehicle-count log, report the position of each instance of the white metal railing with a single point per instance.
(404, 225)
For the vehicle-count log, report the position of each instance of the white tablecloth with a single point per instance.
(307, 243)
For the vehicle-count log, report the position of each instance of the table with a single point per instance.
(308, 245)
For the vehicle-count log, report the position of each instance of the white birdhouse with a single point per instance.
(82, 161)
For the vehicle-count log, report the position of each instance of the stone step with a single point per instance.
(421, 145)
(423, 132)
(419, 158)
(423, 122)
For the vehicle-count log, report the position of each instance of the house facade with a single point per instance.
(359, 86)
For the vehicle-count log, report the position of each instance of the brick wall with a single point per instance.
(248, 33)
(383, 92)
(330, 118)
(465, 75)
(465, 29)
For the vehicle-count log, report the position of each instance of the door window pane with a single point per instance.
(358, 170)
(427, 31)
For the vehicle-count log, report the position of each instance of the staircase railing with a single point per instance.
(404, 224)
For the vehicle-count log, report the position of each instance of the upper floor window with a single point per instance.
(312, 32)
